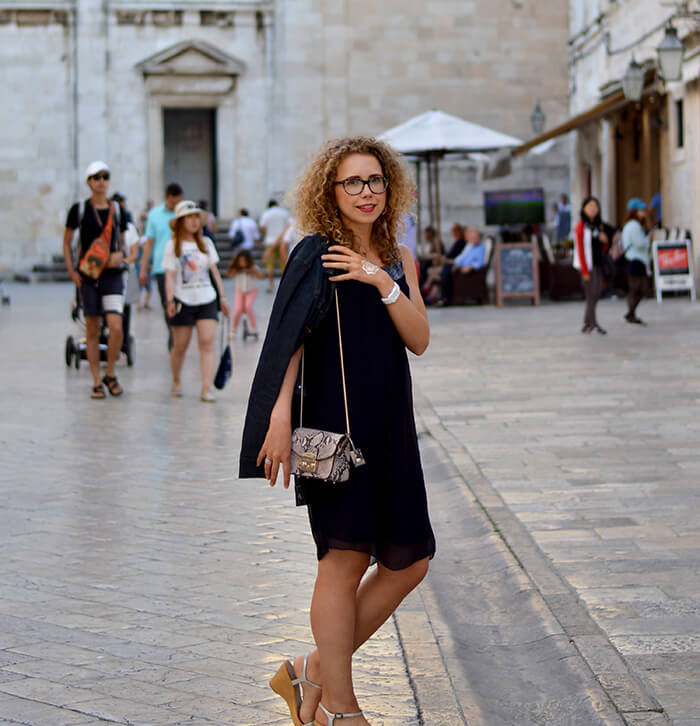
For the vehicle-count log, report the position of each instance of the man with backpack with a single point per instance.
(243, 232)
(99, 275)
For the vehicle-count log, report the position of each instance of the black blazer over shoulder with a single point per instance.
(303, 300)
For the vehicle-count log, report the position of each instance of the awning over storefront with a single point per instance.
(617, 99)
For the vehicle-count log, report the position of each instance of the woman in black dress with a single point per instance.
(354, 194)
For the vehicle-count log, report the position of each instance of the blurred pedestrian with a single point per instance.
(408, 233)
(563, 218)
(158, 232)
(273, 223)
(591, 244)
(209, 228)
(246, 274)
(143, 218)
(188, 259)
(655, 219)
(291, 238)
(352, 197)
(244, 232)
(146, 286)
(101, 292)
(635, 242)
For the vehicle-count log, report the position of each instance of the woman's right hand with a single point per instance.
(170, 309)
(77, 279)
(277, 449)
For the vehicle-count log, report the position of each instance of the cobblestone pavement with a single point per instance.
(142, 584)
(584, 451)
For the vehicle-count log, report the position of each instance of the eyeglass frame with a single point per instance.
(365, 182)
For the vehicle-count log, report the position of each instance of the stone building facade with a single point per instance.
(621, 148)
(232, 97)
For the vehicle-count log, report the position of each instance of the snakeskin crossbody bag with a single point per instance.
(324, 455)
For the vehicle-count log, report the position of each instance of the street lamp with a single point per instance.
(671, 55)
(538, 119)
(633, 81)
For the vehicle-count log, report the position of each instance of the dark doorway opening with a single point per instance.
(190, 152)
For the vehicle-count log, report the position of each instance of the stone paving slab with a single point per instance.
(585, 449)
(141, 583)
(145, 585)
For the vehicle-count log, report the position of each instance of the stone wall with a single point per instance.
(36, 138)
(313, 69)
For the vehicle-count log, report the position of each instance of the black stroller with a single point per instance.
(75, 346)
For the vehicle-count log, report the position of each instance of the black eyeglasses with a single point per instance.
(97, 177)
(353, 185)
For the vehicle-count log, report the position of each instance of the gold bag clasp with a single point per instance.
(308, 463)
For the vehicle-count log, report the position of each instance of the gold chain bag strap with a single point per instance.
(324, 455)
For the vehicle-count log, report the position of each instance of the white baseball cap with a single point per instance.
(94, 167)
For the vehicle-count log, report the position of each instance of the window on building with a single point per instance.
(680, 135)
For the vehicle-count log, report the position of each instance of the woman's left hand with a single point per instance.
(354, 267)
(225, 309)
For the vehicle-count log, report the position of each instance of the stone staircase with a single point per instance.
(53, 271)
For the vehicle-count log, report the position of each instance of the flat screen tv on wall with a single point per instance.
(516, 206)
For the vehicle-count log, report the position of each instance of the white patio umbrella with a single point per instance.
(435, 134)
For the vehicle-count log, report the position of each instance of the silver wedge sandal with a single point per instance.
(333, 716)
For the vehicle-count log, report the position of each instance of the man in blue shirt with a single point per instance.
(472, 257)
(158, 233)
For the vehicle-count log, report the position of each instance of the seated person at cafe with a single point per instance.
(432, 251)
(472, 257)
(431, 275)
(458, 242)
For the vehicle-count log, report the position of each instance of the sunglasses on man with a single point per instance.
(100, 176)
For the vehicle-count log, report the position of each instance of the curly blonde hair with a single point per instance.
(315, 206)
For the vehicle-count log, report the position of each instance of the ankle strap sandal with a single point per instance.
(333, 716)
(288, 686)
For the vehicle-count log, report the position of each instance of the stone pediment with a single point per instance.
(191, 58)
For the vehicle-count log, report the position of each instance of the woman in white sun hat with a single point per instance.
(189, 258)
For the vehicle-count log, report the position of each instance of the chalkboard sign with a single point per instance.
(516, 272)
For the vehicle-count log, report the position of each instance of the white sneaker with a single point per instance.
(207, 398)
(176, 392)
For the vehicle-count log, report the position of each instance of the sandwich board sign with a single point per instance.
(673, 267)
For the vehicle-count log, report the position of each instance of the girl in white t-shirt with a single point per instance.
(246, 274)
(189, 258)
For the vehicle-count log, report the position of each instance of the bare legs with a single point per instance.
(92, 347)
(182, 334)
(345, 611)
(92, 343)
(115, 340)
(181, 339)
(244, 302)
(206, 329)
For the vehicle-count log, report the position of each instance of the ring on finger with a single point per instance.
(268, 461)
(369, 267)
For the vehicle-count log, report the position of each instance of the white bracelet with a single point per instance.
(393, 296)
